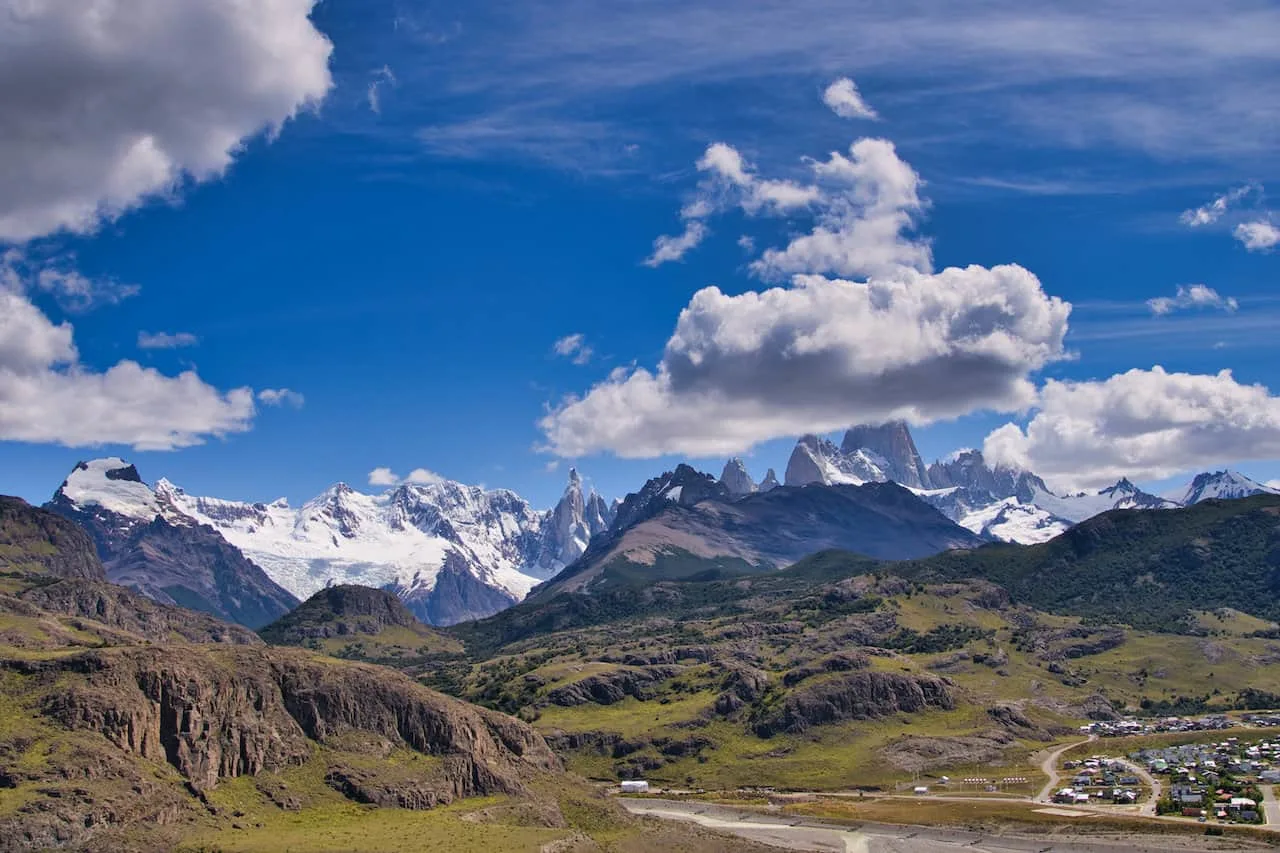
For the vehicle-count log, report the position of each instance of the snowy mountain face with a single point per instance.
(769, 483)
(817, 460)
(1083, 505)
(147, 544)
(1010, 520)
(451, 551)
(1223, 485)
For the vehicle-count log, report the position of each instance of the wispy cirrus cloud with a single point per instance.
(575, 348)
(1191, 296)
(1174, 79)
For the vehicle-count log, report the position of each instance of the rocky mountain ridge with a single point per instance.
(996, 502)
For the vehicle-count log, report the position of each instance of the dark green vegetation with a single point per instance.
(129, 725)
(1153, 570)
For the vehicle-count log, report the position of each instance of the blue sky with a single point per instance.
(472, 185)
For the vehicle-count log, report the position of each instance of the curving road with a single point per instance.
(1050, 768)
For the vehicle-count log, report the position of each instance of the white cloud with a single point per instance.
(574, 347)
(1143, 424)
(1192, 296)
(863, 203)
(552, 466)
(373, 94)
(1259, 236)
(71, 289)
(1213, 211)
(846, 101)
(670, 247)
(48, 396)
(165, 340)
(281, 397)
(417, 477)
(106, 104)
(871, 198)
(819, 355)
(747, 243)
(730, 182)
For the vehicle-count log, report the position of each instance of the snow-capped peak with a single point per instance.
(1225, 485)
(818, 460)
(112, 484)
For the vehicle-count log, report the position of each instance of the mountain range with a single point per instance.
(454, 552)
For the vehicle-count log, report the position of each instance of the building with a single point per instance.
(635, 786)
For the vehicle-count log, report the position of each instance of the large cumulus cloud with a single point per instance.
(819, 355)
(47, 395)
(1145, 424)
(104, 103)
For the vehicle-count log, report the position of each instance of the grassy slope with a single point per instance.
(565, 639)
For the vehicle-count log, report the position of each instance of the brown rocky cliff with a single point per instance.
(34, 540)
(216, 712)
(856, 696)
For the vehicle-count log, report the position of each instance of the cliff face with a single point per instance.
(134, 613)
(213, 713)
(856, 696)
(37, 541)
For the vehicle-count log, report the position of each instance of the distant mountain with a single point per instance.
(1225, 485)
(1084, 505)
(452, 552)
(147, 545)
(763, 531)
(998, 503)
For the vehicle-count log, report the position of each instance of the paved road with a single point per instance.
(1050, 768)
(791, 833)
(1270, 808)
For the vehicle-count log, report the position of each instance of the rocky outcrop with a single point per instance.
(610, 687)
(968, 469)
(769, 483)
(342, 611)
(36, 541)
(855, 696)
(215, 713)
(134, 613)
(736, 479)
(684, 486)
